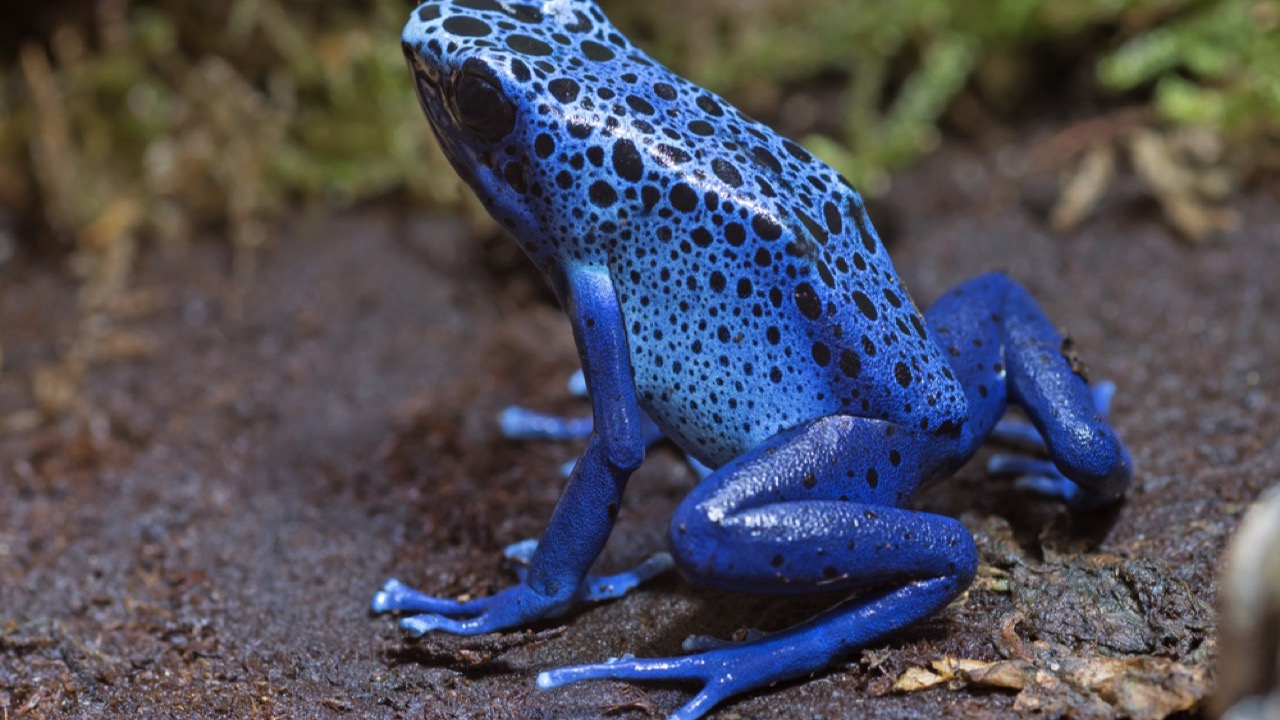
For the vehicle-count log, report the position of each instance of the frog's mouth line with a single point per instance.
(431, 98)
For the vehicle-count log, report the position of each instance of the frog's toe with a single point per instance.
(520, 552)
(520, 423)
(578, 384)
(1043, 478)
(719, 681)
(608, 587)
(419, 625)
(395, 596)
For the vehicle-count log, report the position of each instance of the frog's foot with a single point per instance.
(595, 588)
(1042, 477)
(796, 652)
(1024, 434)
(503, 610)
(395, 596)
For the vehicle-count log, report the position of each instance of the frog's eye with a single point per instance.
(481, 108)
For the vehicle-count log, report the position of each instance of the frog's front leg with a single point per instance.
(813, 508)
(584, 515)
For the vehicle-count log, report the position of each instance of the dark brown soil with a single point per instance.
(202, 536)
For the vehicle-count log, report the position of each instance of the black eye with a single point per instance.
(481, 108)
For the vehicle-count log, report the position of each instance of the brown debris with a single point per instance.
(1051, 680)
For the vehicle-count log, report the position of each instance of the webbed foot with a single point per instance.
(517, 605)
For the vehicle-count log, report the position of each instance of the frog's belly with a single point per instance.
(731, 411)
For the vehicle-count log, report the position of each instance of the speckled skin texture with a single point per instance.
(730, 287)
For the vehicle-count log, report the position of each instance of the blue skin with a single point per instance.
(727, 288)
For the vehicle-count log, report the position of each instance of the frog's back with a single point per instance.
(755, 292)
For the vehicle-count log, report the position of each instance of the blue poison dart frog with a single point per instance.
(727, 289)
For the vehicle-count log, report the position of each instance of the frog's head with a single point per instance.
(480, 69)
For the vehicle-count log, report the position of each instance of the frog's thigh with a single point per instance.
(1001, 344)
(815, 507)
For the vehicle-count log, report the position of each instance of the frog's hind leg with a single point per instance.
(1003, 350)
(812, 508)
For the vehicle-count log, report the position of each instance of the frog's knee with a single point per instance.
(694, 535)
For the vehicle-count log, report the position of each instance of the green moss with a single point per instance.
(1216, 65)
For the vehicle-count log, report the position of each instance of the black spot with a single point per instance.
(818, 232)
(602, 194)
(902, 374)
(664, 91)
(735, 234)
(640, 105)
(776, 561)
(824, 272)
(717, 281)
(766, 227)
(893, 298)
(868, 346)
(796, 151)
(821, 354)
(579, 130)
(523, 13)
(595, 51)
(873, 477)
(513, 173)
(831, 214)
(581, 23)
(744, 288)
(764, 258)
(564, 89)
(775, 374)
(767, 159)
(427, 13)
(864, 231)
(865, 305)
(701, 127)
(626, 161)
(595, 154)
(829, 572)
(544, 145)
(726, 172)
(895, 458)
(808, 302)
(463, 26)
(650, 196)
(520, 70)
(701, 237)
(672, 155)
(683, 198)
(850, 363)
(710, 106)
(564, 179)
(809, 481)
(526, 45)
(773, 335)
